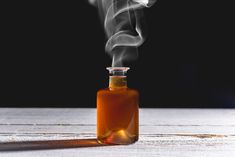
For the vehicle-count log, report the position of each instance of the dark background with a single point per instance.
(52, 55)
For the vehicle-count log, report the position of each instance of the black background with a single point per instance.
(52, 55)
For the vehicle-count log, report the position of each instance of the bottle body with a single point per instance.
(117, 116)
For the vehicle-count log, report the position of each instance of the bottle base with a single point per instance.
(118, 138)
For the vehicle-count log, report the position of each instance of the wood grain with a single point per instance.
(71, 132)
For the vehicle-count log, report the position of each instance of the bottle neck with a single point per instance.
(117, 82)
(117, 77)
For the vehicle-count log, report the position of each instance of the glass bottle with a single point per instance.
(117, 110)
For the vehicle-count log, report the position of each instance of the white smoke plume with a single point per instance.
(121, 19)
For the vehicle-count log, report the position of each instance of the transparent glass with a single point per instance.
(117, 110)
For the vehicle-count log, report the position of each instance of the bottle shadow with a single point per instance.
(49, 144)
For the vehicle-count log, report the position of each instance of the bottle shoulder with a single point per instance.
(103, 90)
(117, 91)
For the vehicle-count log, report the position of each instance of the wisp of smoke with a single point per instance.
(121, 19)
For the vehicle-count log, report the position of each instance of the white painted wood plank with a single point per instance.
(171, 147)
(148, 116)
(164, 132)
(73, 130)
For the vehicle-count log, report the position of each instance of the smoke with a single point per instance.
(122, 24)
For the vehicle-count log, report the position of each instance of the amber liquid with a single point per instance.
(117, 116)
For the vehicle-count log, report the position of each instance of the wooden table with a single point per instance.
(38, 132)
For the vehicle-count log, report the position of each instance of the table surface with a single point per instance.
(38, 132)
